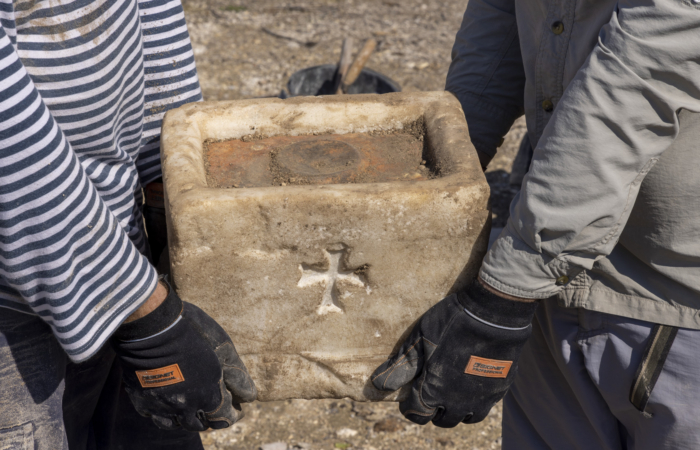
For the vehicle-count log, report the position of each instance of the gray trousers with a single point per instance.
(573, 386)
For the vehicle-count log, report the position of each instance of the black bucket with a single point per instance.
(320, 80)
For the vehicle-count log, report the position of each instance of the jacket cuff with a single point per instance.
(514, 268)
(156, 321)
(494, 309)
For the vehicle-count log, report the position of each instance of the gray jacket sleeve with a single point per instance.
(615, 119)
(486, 73)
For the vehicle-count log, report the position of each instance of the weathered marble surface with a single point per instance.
(318, 284)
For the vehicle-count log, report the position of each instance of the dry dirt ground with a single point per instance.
(246, 48)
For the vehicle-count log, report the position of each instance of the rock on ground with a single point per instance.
(246, 48)
(344, 424)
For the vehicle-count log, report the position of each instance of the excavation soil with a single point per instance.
(313, 160)
(246, 49)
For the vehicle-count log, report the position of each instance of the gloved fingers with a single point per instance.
(165, 423)
(414, 408)
(236, 376)
(219, 422)
(226, 414)
(405, 365)
(191, 422)
(145, 405)
(240, 384)
(229, 414)
(449, 418)
(477, 416)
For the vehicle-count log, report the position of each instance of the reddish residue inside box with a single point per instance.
(327, 159)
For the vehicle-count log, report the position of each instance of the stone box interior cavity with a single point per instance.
(316, 231)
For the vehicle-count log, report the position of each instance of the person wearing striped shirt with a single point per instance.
(84, 85)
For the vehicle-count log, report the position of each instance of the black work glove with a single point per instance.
(461, 357)
(181, 368)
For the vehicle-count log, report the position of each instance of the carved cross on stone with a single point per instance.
(330, 278)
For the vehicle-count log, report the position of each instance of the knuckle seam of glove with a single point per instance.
(396, 367)
(420, 396)
(223, 345)
(449, 325)
(247, 378)
(399, 360)
(175, 419)
(223, 397)
(428, 341)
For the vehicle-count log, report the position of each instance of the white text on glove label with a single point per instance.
(491, 368)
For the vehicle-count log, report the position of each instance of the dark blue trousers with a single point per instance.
(50, 403)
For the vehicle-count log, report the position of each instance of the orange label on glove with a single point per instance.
(491, 368)
(165, 376)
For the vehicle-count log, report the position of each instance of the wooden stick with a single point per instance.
(358, 64)
(344, 63)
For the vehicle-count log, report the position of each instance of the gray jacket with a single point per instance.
(608, 217)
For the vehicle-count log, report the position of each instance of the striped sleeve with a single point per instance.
(7, 20)
(171, 76)
(63, 254)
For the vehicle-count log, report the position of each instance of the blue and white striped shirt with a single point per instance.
(84, 85)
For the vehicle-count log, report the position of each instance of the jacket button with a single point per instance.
(562, 280)
(547, 105)
(557, 27)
